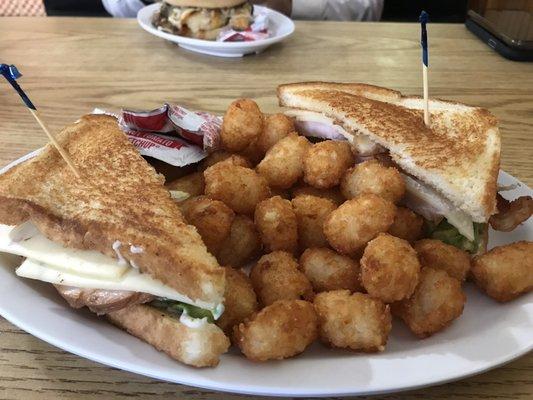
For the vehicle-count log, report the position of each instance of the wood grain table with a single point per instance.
(72, 65)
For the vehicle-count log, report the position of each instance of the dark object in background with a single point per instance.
(75, 8)
(438, 10)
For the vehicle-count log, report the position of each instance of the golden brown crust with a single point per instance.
(119, 198)
(458, 155)
(198, 347)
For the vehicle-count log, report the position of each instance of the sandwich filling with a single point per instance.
(86, 277)
(444, 221)
(202, 23)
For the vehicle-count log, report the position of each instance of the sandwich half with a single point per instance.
(450, 168)
(114, 241)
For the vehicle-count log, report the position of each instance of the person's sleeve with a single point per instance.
(123, 8)
(338, 10)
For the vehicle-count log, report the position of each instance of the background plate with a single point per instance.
(282, 27)
(488, 334)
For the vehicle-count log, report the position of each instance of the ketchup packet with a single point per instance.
(257, 31)
(171, 133)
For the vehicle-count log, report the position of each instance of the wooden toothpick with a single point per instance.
(424, 18)
(11, 73)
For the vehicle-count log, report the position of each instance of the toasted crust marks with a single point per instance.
(120, 198)
(198, 347)
(459, 155)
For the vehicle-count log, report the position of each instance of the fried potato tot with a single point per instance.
(277, 225)
(356, 222)
(353, 321)
(276, 277)
(242, 244)
(389, 268)
(212, 219)
(332, 194)
(311, 212)
(193, 184)
(328, 270)
(243, 122)
(281, 330)
(407, 225)
(439, 255)
(240, 300)
(372, 177)
(326, 162)
(275, 128)
(505, 272)
(238, 187)
(437, 301)
(283, 162)
(223, 156)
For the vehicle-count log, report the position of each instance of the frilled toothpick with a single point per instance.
(424, 18)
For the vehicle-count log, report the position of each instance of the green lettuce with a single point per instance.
(447, 233)
(176, 308)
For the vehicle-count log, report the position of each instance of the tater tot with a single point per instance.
(332, 194)
(281, 330)
(407, 225)
(238, 187)
(328, 270)
(223, 156)
(353, 321)
(311, 212)
(356, 222)
(283, 162)
(275, 128)
(326, 162)
(277, 225)
(243, 122)
(373, 177)
(193, 184)
(505, 272)
(242, 244)
(240, 300)
(439, 255)
(437, 301)
(389, 268)
(276, 277)
(212, 219)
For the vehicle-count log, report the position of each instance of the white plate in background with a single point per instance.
(487, 335)
(281, 26)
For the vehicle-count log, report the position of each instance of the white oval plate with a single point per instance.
(281, 26)
(487, 335)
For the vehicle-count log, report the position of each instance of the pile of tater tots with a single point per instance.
(315, 245)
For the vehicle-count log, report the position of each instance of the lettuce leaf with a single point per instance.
(447, 233)
(176, 308)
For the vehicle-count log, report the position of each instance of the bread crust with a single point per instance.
(458, 155)
(120, 199)
(198, 347)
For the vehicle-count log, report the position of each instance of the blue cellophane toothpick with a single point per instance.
(424, 18)
(11, 73)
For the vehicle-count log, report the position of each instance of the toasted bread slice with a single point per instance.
(199, 346)
(459, 155)
(119, 202)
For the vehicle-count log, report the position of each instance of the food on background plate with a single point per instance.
(277, 225)
(389, 268)
(115, 231)
(439, 255)
(328, 270)
(281, 330)
(437, 301)
(203, 19)
(353, 321)
(505, 272)
(276, 277)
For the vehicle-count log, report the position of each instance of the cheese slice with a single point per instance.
(132, 281)
(25, 240)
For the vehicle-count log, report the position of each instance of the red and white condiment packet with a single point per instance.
(259, 29)
(171, 133)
